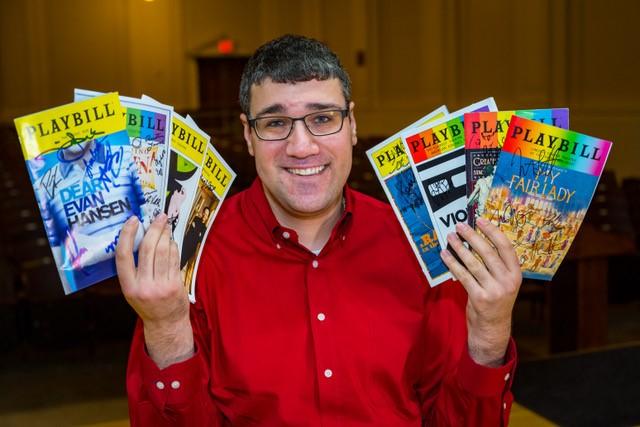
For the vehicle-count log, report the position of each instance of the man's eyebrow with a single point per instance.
(314, 106)
(324, 106)
(271, 109)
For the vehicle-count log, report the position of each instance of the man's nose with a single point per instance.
(301, 143)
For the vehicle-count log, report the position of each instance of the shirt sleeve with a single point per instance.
(454, 390)
(175, 396)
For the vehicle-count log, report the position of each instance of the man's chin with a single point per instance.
(317, 204)
(305, 197)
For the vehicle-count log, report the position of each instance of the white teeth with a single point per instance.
(306, 171)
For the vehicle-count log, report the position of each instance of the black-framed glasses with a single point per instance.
(319, 123)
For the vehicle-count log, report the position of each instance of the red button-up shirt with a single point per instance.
(353, 336)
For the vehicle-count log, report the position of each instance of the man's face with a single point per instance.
(303, 175)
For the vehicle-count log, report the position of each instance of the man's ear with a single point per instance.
(246, 131)
(352, 124)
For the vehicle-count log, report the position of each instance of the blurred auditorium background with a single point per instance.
(63, 358)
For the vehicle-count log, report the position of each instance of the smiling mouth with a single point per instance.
(306, 171)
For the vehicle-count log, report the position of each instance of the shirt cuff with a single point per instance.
(175, 385)
(485, 381)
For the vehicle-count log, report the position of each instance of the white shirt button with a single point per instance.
(286, 234)
(315, 263)
(175, 385)
(506, 377)
(321, 317)
(328, 373)
(160, 385)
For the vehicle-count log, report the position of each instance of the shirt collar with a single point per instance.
(261, 218)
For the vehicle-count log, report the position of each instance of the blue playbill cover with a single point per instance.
(80, 163)
(391, 164)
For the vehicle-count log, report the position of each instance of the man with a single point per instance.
(193, 237)
(311, 308)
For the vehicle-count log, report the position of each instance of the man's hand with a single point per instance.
(155, 290)
(492, 285)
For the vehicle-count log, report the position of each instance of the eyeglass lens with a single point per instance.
(319, 124)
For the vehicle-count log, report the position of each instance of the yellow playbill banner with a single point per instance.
(187, 140)
(70, 124)
(216, 172)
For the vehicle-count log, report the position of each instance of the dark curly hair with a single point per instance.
(290, 59)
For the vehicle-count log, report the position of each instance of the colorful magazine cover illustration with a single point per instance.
(149, 129)
(543, 185)
(81, 166)
(391, 164)
(213, 187)
(186, 154)
(436, 154)
(484, 135)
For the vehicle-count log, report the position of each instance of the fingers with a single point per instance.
(161, 259)
(466, 267)
(502, 244)
(146, 251)
(495, 268)
(125, 264)
(174, 263)
(487, 253)
(461, 274)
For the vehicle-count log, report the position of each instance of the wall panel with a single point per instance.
(405, 56)
(86, 45)
(485, 50)
(605, 54)
(24, 79)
